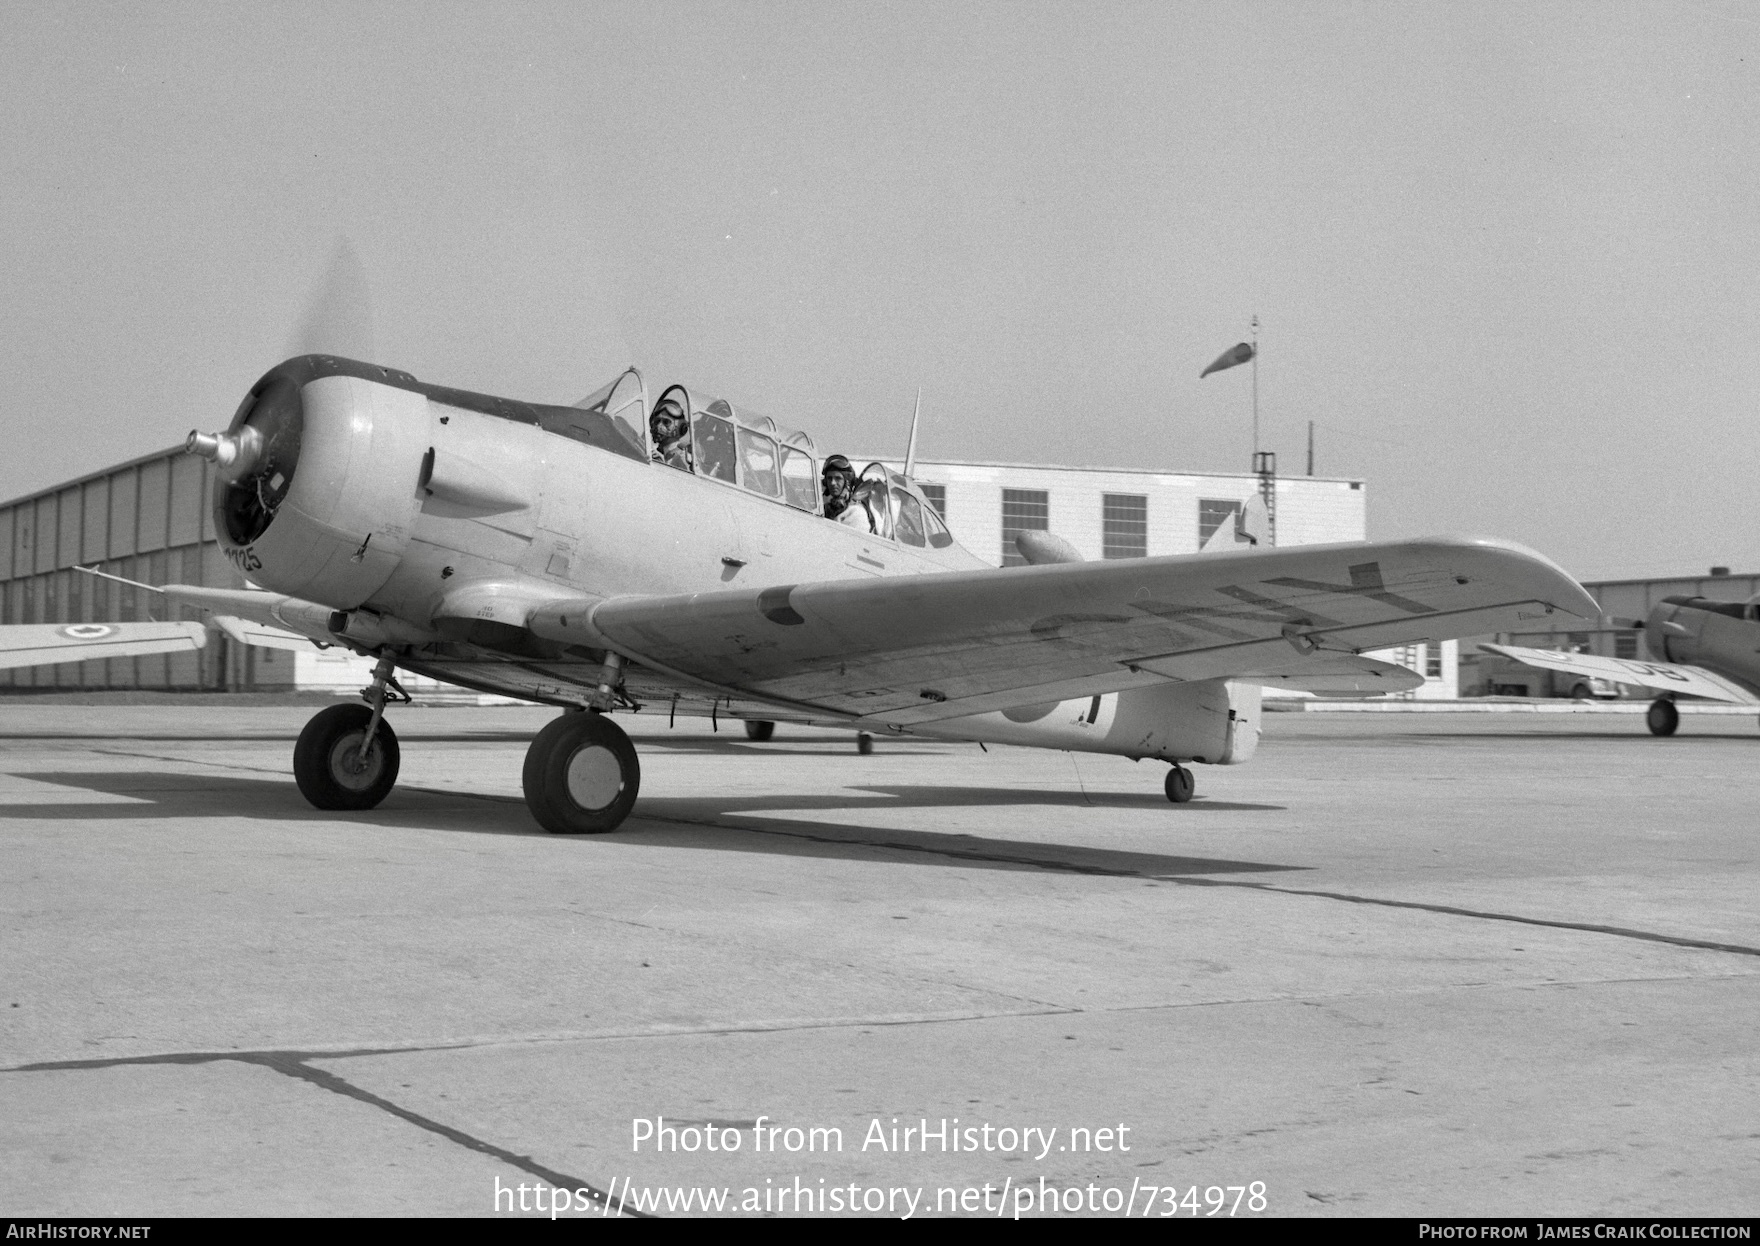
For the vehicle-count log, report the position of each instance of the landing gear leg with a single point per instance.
(347, 756)
(1662, 717)
(1180, 784)
(581, 775)
(864, 743)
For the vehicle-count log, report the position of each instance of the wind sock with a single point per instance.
(1229, 358)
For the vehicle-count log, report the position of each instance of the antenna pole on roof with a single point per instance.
(910, 451)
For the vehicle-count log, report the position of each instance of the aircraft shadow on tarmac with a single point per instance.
(829, 748)
(673, 822)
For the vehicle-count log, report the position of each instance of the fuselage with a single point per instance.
(437, 521)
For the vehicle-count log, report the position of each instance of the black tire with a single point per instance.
(864, 743)
(1180, 785)
(1582, 692)
(581, 775)
(1662, 717)
(759, 730)
(328, 752)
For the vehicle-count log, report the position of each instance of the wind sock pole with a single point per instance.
(1255, 387)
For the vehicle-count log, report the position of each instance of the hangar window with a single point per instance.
(936, 496)
(1625, 644)
(1433, 661)
(1124, 519)
(1212, 514)
(1023, 510)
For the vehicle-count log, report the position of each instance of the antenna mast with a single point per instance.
(910, 450)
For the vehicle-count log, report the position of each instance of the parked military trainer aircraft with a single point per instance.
(1704, 648)
(556, 554)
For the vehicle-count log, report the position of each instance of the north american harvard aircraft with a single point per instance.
(558, 554)
(1703, 648)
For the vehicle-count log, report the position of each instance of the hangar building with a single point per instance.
(150, 520)
(1617, 633)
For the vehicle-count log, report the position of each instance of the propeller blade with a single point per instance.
(338, 315)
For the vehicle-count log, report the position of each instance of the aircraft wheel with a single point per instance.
(864, 743)
(327, 761)
(581, 775)
(1662, 717)
(1180, 785)
(1582, 692)
(759, 730)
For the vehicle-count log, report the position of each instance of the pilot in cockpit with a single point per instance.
(671, 433)
(842, 502)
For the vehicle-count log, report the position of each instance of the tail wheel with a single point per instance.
(864, 743)
(329, 766)
(1662, 717)
(759, 730)
(581, 775)
(1180, 785)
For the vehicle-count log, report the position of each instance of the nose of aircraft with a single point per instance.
(257, 455)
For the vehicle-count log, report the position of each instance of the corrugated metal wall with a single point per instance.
(149, 521)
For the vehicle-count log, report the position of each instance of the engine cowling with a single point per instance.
(1671, 632)
(318, 484)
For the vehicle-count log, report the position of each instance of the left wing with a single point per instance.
(44, 644)
(1660, 676)
(915, 649)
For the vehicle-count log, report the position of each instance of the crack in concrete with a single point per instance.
(296, 1064)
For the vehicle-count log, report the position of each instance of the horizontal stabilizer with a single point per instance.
(1347, 677)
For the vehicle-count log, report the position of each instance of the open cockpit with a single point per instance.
(712, 439)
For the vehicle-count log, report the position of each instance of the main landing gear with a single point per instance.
(1662, 717)
(347, 756)
(1180, 784)
(581, 772)
(581, 775)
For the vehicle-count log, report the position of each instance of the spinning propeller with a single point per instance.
(258, 453)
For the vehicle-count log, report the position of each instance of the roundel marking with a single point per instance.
(87, 631)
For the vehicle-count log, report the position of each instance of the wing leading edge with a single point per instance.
(922, 648)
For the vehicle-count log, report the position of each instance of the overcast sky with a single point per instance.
(1504, 254)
